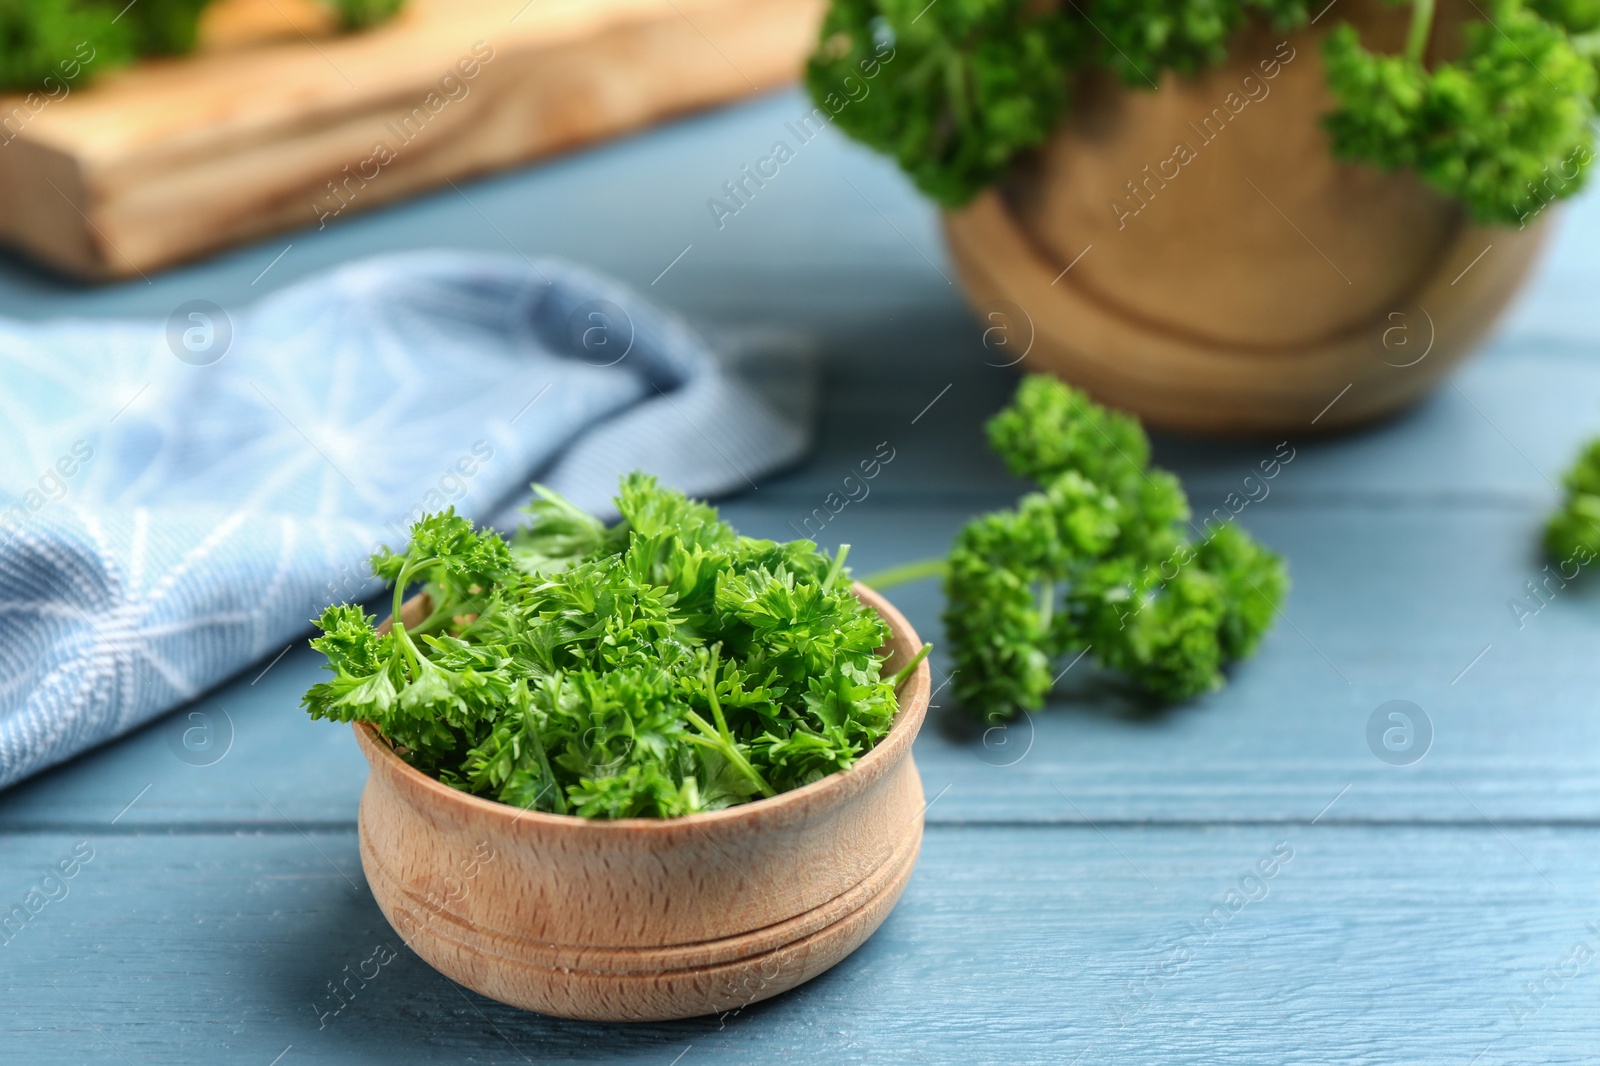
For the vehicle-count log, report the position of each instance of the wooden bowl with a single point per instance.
(647, 919)
(1244, 285)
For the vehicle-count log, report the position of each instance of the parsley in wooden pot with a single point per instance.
(633, 772)
(1219, 215)
(660, 667)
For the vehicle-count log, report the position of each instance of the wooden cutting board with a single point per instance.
(277, 122)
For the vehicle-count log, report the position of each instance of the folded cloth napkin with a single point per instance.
(178, 499)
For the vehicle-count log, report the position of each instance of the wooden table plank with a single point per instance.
(1388, 604)
(1399, 591)
(1406, 544)
(1011, 945)
(818, 259)
(1418, 904)
(1501, 434)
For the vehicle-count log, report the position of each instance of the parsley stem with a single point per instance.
(408, 650)
(1421, 27)
(838, 565)
(522, 699)
(909, 668)
(711, 694)
(905, 574)
(728, 750)
(721, 737)
(402, 581)
(403, 639)
(544, 764)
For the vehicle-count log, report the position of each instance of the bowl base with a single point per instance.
(645, 984)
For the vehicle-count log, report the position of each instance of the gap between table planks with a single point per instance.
(215, 923)
(1017, 944)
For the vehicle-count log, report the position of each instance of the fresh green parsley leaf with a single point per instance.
(1100, 560)
(658, 667)
(1572, 536)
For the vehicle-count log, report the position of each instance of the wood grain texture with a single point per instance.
(1405, 543)
(1190, 243)
(647, 919)
(169, 159)
(231, 24)
(1238, 282)
(1400, 603)
(226, 898)
(1372, 945)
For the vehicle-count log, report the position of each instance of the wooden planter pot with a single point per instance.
(646, 919)
(1195, 255)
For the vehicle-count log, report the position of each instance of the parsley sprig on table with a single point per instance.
(1572, 535)
(961, 87)
(1099, 559)
(662, 666)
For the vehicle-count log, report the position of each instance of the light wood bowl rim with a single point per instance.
(835, 789)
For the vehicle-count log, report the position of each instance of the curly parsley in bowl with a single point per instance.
(659, 667)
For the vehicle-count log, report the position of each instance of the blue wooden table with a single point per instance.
(1094, 882)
